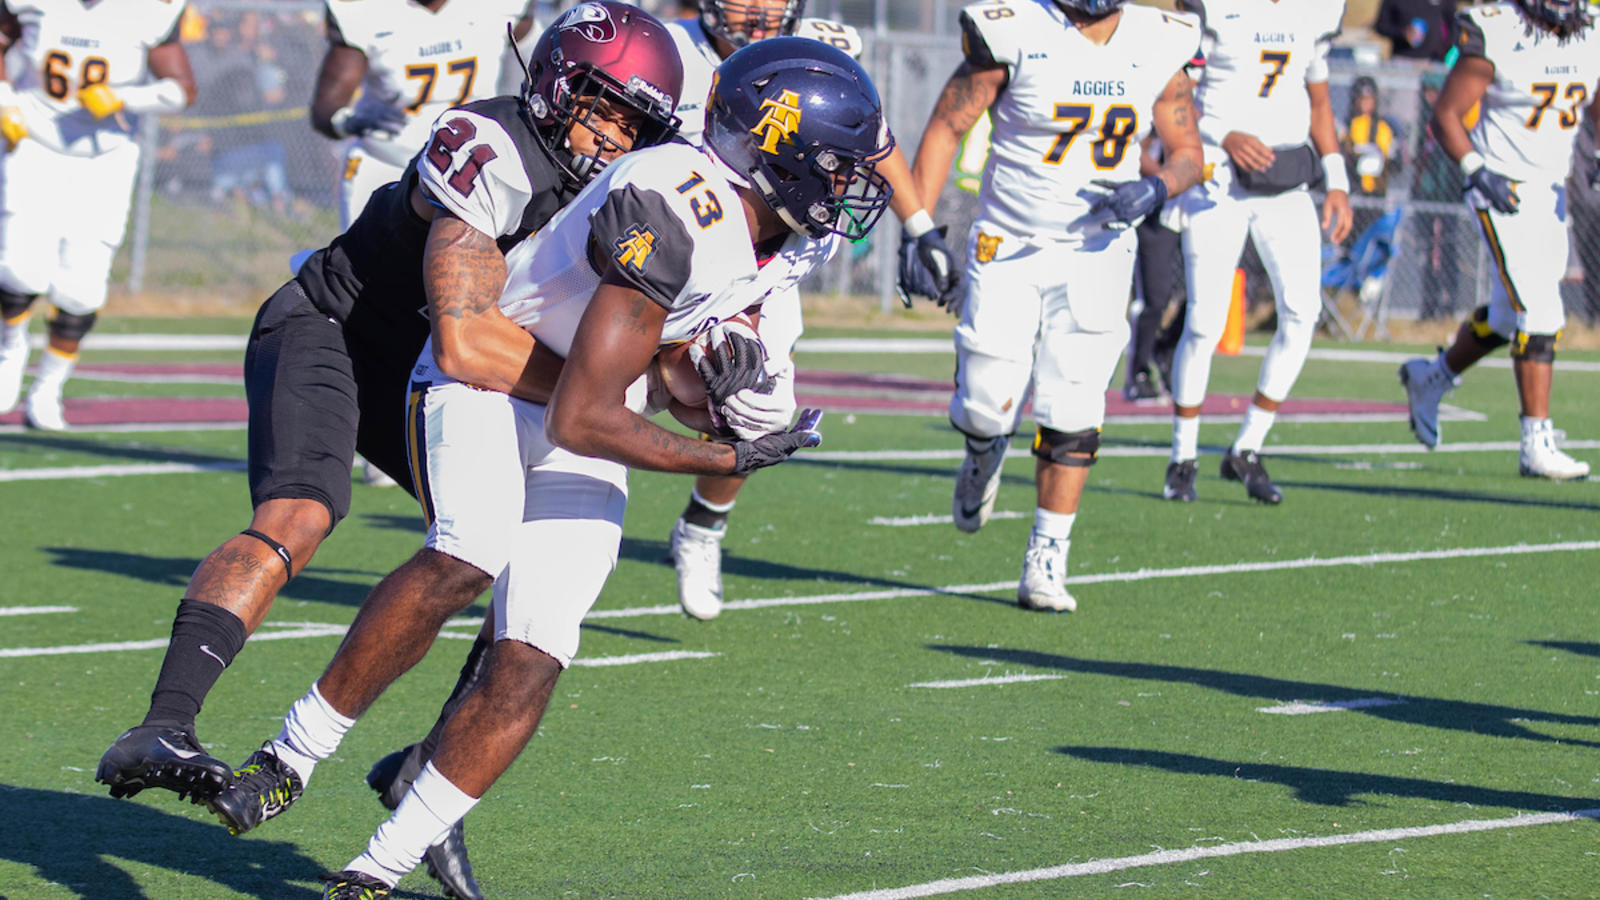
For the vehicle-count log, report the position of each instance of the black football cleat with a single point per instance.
(1180, 481)
(352, 885)
(262, 788)
(162, 756)
(1247, 467)
(447, 860)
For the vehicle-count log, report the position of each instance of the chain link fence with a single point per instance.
(235, 186)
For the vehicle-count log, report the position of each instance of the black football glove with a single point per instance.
(734, 363)
(1130, 201)
(928, 269)
(771, 449)
(1495, 189)
(369, 119)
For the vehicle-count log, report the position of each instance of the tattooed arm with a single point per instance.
(1178, 126)
(615, 341)
(970, 91)
(463, 272)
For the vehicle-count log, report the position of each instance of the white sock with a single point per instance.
(311, 733)
(1053, 525)
(429, 810)
(718, 508)
(1445, 367)
(54, 369)
(1253, 432)
(14, 333)
(1532, 426)
(1185, 438)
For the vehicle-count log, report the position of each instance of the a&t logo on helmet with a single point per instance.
(780, 119)
(592, 21)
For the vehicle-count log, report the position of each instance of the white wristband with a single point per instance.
(339, 117)
(1472, 162)
(8, 94)
(1334, 175)
(917, 224)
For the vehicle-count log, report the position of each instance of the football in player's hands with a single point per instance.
(679, 366)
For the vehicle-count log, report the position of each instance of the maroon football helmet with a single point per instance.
(607, 50)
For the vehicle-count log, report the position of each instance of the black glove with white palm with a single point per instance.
(928, 269)
(368, 118)
(1126, 202)
(760, 410)
(1487, 188)
(737, 361)
(771, 449)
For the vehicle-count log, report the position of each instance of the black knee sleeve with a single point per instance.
(1485, 336)
(71, 326)
(13, 304)
(281, 550)
(1539, 348)
(1060, 447)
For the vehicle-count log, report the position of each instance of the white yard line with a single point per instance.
(189, 342)
(1191, 854)
(118, 471)
(303, 629)
(34, 610)
(1304, 708)
(137, 427)
(985, 682)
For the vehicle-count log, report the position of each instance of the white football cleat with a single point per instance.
(1044, 576)
(978, 483)
(373, 476)
(43, 411)
(1541, 458)
(13, 360)
(1426, 384)
(697, 554)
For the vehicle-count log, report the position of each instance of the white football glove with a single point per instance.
(753, 412)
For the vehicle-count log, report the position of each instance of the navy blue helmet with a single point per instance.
(802, 121)
(1092, 7)
(714, 18)
(1565, 17)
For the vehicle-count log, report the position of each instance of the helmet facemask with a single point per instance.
(1562, 18)
(585, 97)
(714, 18)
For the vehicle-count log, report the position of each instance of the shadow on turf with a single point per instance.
(175, 571)
(69, 839)
(1569, 646)
(1331, 787)
(1450, 494)
(655, 553)
(33, 440)
(1455, 715)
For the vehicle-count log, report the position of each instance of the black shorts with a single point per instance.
(318, 395)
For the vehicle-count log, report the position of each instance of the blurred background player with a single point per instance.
(1264, 89)
(1051, 257)
(390, 69)
(68, 117)
(722, 27)
(1534, 65)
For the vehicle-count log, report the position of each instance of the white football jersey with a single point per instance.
(68, 44)
(422, 61)
(1072, 112)
(667, 219)
(1260, 55)
(1533, 110)
(700, 60)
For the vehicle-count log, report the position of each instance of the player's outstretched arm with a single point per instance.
(1177, 124)
(969, 93)
(1336, 214)
(615, 341)
(463, 272)
(340, 75)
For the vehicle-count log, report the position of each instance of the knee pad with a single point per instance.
(13, 305)
(1059, 447)
(1539, 348)
(1485, 336)
(71, 326)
